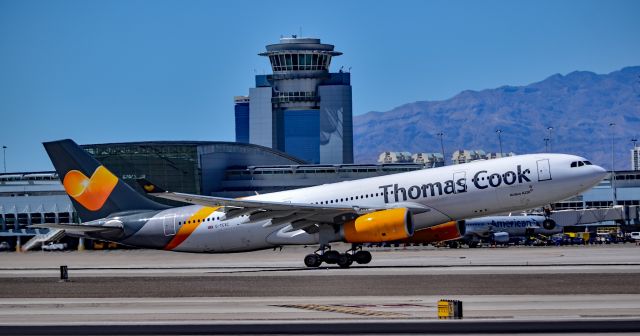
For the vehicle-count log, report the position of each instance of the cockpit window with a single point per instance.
(580, 164)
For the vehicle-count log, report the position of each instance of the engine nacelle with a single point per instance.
(437, 233)
(379, 226)
(549, 224)
(500, 237)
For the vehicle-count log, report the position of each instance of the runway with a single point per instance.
(255, 285)
(399, 290)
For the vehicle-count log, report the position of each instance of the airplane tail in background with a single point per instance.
(94, 190)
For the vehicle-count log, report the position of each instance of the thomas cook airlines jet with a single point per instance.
(377, 209)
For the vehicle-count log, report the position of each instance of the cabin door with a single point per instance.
(169, 225)
(544, 172)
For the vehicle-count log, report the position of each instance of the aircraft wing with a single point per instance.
(279, 212)
(240, 203)
(300, 215)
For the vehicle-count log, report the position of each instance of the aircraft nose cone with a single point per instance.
(598, 173)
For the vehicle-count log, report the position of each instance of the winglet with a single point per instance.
(148, 187)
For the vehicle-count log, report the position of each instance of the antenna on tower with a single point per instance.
(300, 30)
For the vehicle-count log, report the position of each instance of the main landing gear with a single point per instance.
(344, 260)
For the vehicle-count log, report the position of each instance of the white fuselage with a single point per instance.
(475, 189)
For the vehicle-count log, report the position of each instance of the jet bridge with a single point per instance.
(590, 216)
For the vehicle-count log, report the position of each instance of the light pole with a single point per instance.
(500, 141)
(444, 160)
(613, 170)
(4, 157)
(546, 144)
(550, 146)
(634, 156)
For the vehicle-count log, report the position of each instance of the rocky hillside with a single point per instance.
(579, 107)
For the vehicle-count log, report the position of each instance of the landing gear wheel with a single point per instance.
(362, 257)
(312, 260)
(331, 257)
(345, 260)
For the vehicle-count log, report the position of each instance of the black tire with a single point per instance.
(362, 257)
(473, 244)
(312, 260)
(345, 260)
(331, 257)
(549, 224)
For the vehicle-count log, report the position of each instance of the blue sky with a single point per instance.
(115, 71)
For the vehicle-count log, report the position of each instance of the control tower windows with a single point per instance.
(300, 61)
(288, 64)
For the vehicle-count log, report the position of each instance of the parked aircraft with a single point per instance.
(377, 209)
(500, 229)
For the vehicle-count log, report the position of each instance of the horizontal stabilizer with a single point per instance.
(75, 227)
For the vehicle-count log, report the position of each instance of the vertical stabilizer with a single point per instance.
(94, 190)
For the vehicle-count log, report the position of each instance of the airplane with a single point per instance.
(501, 228)
(371, 210)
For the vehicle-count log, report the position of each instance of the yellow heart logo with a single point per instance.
(92, 192)
(149, 187)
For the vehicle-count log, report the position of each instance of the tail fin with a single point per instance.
(94, 190)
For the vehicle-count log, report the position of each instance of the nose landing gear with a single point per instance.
(344, 260)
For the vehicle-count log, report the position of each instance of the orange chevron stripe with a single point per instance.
(189, 226)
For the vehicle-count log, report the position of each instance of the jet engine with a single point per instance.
(549, 224)
(441, 232)
(380, 226)
(500, 237)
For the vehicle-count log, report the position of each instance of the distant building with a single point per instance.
(241, 107)
(466, 155)
(195, 167)
(635, 158)
(301, 109)
(430, 160)
(32, 198)
(395, 157)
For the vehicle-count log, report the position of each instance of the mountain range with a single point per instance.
(580, 106)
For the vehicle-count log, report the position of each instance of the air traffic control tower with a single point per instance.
(302, 108)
